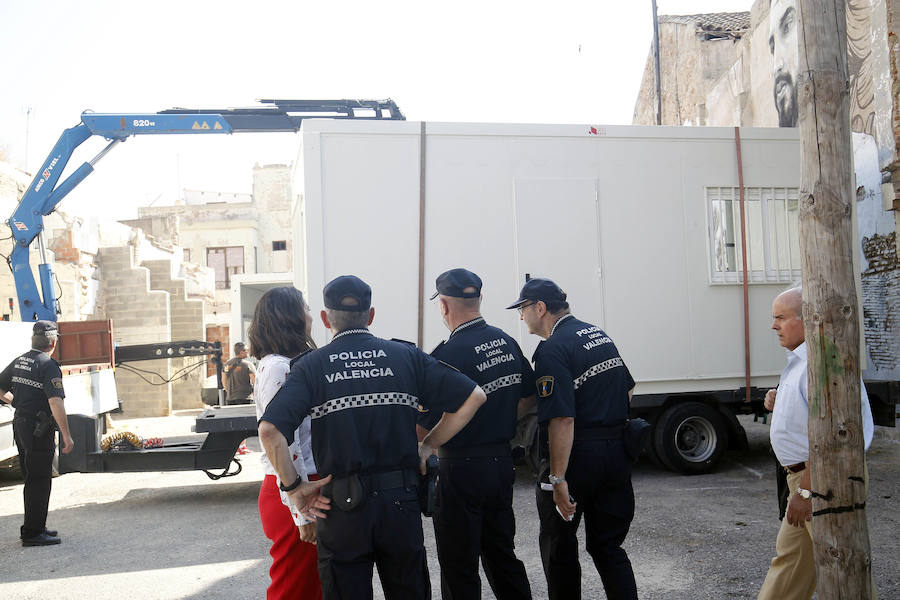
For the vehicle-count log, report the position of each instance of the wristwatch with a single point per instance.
(805, 494)
(555, 480)
(293, 486)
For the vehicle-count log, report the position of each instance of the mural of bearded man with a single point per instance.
(783, 45)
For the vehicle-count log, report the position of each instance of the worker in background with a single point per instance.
(583, 395)
(279, 333)
(792, 573)
(33, 384)
(473, 516)
(363, 394)
(239, 376)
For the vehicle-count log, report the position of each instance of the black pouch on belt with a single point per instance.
(43, 424)
(346, 493)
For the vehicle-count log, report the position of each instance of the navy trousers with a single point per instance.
(599, 479)
(474, 518)
(36, 460)
(385, 531)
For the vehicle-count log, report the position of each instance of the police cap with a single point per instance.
(539, 290)
(44, 328)
(341, 292)
(454, 283)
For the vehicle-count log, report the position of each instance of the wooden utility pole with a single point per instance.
(830, 308)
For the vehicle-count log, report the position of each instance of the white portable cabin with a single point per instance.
(639, 225)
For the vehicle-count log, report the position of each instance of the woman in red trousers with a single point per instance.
(278, 333)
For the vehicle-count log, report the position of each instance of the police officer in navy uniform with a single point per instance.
(364, 394)
(583, 394)
(473, 515)
(34, 381)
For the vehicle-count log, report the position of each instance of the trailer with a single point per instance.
(639, 225)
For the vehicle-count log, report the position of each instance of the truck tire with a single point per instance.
(690, 438)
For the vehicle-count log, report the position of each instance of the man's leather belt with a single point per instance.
(599, 433)
(795, 468)
(482, 451)
(389, 480)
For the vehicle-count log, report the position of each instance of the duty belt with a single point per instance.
(389, 480)
(24, 414)
(482, 451)
(599, 433)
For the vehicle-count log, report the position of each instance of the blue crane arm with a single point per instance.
(45, 192)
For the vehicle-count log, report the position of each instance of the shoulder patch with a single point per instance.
(57, 383)
(421, 409)
(545, 386)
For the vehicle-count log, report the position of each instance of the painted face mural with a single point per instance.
(783, 44)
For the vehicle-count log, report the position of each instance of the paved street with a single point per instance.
(181, 535)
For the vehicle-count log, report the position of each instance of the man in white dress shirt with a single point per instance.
(792, 573)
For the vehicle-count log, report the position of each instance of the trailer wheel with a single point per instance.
(690, 438)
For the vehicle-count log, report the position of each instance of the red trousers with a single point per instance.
(294, 571)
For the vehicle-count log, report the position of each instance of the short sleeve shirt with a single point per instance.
(495, 362)
(33, 379)
(363, 395)
(580, 374)
(238, 373)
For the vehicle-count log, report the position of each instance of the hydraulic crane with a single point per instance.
(45, 192)
(219, 431)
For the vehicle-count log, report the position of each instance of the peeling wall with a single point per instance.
(881, 304)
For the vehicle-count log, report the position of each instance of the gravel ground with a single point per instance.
(180, 535)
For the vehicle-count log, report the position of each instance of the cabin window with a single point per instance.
(279, 245)
(773, 241)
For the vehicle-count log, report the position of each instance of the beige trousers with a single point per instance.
(792, 574)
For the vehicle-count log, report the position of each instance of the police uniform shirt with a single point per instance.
(580, 374)
(363, 394)
(496, 363)
(33, 378)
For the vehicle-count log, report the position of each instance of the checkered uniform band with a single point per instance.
(502, 382)
(597, 369)
(24, 381)
(364, 400)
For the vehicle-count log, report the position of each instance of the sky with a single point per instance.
(487, 61)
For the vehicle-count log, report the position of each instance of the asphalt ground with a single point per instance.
(181, 535)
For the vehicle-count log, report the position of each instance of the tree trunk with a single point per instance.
(830, 307)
